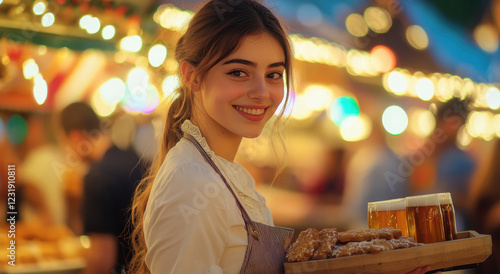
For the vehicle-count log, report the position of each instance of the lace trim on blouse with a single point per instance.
(244, 187)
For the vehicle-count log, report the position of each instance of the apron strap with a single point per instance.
(206, 157)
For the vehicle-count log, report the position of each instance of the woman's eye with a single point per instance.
(238, 73)
(275, 75)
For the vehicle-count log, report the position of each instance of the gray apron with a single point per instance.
(266, 244)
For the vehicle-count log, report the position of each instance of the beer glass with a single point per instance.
(448, 212)
(390, 213)
(425, 221)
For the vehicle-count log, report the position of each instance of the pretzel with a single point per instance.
(327, 239)
(386, 233)
(302, 249)
(403, 242)
(365, 247)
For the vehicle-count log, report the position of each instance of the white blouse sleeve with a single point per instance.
(185, 225)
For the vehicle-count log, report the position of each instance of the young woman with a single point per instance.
(198, 211)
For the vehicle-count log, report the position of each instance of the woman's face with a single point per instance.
(241, 93)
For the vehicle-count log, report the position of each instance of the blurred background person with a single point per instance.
(485, 206)
(31, 148)
(373, 175)
(446, 167)
(107, 190)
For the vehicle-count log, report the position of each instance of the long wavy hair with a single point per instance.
(214, 32)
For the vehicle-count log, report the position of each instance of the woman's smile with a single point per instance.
(252, 113)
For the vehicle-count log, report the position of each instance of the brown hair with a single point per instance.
(214, 32)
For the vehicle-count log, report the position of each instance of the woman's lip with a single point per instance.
(250, 106)
(251, 117)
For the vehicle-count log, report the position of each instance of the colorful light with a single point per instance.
(382, 59)
(342, 108)
(17, 129)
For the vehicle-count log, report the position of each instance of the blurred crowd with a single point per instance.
(78, 171)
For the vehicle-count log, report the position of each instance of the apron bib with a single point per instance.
(266, 244)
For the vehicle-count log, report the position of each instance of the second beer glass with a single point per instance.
(425, 222)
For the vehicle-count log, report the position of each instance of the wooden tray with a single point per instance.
(469, 248)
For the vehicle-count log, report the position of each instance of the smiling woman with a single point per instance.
(197, 203)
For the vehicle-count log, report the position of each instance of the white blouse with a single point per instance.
(192, 223)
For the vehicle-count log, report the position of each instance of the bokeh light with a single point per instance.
(94, 25)
(417, 37)
(141, 99)
(300, 109)
(463, 137)
(40, 89)
(102, 107)
(421, 122)
(486, 37)
(39, 7)
(17, 129)
(342, 108)
(397, 82)
(382, 58)
(157, 55)
(378, 19)
(318, 97)
(496, 122)
(85, 21)
(172, 18)
(356, 128)
(356, 25)
(30, 68)
(493, 98)
(112, 91)
(48, 19)
(424, 88)
(108, 32)
(394, 120)
(131, 43)
(170, 85)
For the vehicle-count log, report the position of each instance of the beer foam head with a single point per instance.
(445, 198)
(390, 205)
(422, 200)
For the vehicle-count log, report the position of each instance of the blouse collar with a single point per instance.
(189, 128)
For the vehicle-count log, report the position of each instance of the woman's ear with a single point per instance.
(187, 70)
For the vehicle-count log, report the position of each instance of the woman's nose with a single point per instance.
(259, 89)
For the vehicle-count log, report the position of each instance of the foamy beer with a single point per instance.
(390, 213)
(448, 212)
(425, 221)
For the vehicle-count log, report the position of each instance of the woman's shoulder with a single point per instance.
(184, 170)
